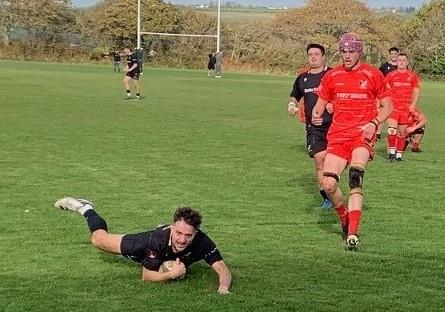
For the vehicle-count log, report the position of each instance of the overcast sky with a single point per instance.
(290, 3)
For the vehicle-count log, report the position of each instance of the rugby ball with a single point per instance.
(166, 266)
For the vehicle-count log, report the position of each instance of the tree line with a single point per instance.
(54, 30)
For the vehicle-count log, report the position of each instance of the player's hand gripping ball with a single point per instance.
(167, 266)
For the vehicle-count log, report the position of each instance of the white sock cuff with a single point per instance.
(85, 208)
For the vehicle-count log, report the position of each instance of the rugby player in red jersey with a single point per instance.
(415, 130)
(405, 93)
(353, 88)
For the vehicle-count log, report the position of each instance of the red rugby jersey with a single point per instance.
(353, 94)
(402, 84)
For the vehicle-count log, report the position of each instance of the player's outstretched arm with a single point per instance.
(225, 277)
(178, 269)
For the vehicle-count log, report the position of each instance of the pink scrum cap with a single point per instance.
(351, 40)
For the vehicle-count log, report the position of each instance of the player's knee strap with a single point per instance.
(392, 130)
(331, 175)
(356, 174)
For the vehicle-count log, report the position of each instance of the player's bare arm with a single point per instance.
(293, 106)
(371, 128)
(422, 121)
(329, 108)
(177, 270)
(318, 110)
(415, 99)
(131, 68)
(225, 277)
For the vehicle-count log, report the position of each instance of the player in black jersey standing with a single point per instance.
(386, 68)
(181, 241)
(305, 87)
(391, 64)
(132, 73)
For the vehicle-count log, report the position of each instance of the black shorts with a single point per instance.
(133, 75)
(316, 140)
(133, 246)
(418, 131)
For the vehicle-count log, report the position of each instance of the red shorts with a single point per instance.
(402, 116)
(344, 149)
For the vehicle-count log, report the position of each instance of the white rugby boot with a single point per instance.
(352, 242)
(77, 205)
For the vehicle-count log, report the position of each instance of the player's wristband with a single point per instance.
(375, 122)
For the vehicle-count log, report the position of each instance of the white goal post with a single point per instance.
(217, 36)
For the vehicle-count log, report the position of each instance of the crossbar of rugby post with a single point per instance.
(217, 36)
(176, 35)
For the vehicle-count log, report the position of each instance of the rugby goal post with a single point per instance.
(217, 36)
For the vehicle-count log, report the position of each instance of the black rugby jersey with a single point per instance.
(154, 247)
(131, 60)
(306, 86)
(116, 57)
(387, 67)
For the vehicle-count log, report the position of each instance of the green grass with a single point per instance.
(226, 147)
(238, 16)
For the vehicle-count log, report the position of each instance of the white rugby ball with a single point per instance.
(166, 266)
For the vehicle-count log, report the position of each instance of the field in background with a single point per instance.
(226, 147)
(242, 15)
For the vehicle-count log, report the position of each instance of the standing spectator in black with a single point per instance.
(211, 64)
(117, 62)
(305, 88)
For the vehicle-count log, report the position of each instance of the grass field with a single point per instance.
(226, 147)
(238, 16)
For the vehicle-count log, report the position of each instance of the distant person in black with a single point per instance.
(211, 64)
(132, 73)
(305, 87)
(140, 57)
(218, 64)
(386, 68)
(391, 64)
(117, 62)
(181, 241)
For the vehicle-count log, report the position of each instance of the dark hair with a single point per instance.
(189, 216)
(393, 49)
(315, 46)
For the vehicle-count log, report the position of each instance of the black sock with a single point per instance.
(128, 92)
(95, 222)
(378, 136)
(323, 194)
(138, 94)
